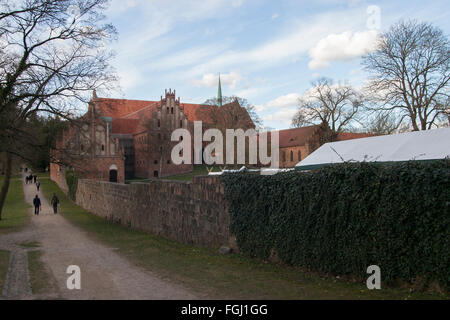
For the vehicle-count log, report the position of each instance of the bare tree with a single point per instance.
(251, 110)
(236, 113)
(52, 54)
(383, 123)
(334, 104)
(410, 73)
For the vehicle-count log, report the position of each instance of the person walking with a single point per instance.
(35, 178)
(37, 205)
(55, 202)
(38, 184)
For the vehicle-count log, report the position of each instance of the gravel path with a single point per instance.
(104, 274)
(17, 282)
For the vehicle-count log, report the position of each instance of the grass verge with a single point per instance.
(30, 244)
(199, 170)
(39, 278)
(4, 262)
(15, 211)
(219, 276)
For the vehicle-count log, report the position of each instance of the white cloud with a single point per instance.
(259, 107)
(297, 39)
(211, 80)
(188, 57)
(275, 15)
(157, 18)
(282, 102)
(287, 100)
(282, 118)
(343, 46)
(130, 77)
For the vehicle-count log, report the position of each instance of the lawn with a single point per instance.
(219, 276)
(199, 170)
(39, 278)
(15, 212)
(4, 262)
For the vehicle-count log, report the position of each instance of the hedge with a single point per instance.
(342, 218)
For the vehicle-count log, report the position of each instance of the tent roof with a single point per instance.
(417, 145)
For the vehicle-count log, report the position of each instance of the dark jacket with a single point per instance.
(37, 202)
(55, 200)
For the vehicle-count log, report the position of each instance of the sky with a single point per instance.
(266, 51)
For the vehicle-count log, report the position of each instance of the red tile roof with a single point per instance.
(140, 109)
(296, 136)
(202, 112)
(117, 108)
(198, 112)
(124, 126)
(352, 135)
(144, 112)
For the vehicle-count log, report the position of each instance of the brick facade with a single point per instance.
(90, 148)
(134, 136)
(297, 143)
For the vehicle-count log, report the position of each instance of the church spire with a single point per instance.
(219, 94)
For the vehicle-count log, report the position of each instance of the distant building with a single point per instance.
(297, 143)
(119, 139)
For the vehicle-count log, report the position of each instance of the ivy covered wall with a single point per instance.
(343, 218)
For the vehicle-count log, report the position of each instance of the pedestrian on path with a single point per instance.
(38, 184)
(35, 178)
(37, 205)
(55, 202)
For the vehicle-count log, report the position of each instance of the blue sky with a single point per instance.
(268, 52)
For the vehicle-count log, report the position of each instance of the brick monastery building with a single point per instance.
(297, 143)
(119, 139)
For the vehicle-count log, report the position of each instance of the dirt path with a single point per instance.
(104, 274)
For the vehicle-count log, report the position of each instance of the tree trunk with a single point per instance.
(414, 124)
(5, 186)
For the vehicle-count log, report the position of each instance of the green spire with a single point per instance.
(219, 94)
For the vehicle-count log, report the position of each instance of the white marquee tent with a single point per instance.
(418, 145)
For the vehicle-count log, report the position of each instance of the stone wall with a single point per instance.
(189, 212)
(57, 174)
